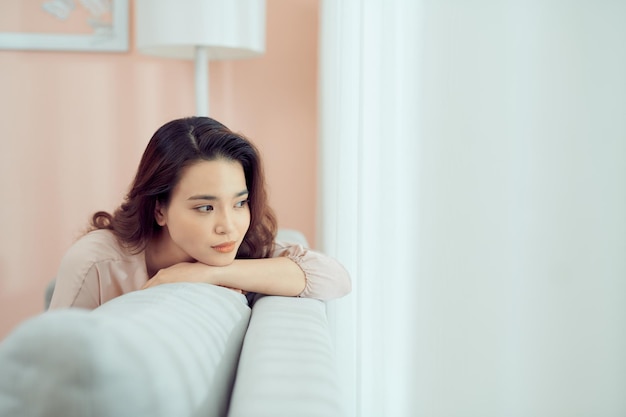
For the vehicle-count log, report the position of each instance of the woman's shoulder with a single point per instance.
(90, 270)
(95, 246)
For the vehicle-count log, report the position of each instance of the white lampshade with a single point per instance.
(231, 29)
(201, 30)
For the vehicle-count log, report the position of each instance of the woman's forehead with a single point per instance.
(218, 178)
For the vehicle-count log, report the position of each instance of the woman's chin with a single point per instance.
(218, 261)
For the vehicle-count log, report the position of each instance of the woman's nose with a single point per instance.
(224, 224)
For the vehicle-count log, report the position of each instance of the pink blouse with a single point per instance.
(97, 269)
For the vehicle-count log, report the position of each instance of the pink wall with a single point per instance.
(73, 127)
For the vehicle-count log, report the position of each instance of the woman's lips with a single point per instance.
(225, 247)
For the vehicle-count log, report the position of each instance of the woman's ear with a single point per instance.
(159, 214)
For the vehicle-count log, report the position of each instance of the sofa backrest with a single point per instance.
(170, 350)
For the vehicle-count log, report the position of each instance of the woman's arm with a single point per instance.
(77, 283)
(73, 288)
(293, 271)
(272, 276)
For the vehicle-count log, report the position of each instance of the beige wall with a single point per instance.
(73, 127)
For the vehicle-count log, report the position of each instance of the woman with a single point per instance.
(197, 211)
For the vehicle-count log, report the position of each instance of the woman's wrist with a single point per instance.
(228, 275)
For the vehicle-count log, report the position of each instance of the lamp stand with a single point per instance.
(202, 80)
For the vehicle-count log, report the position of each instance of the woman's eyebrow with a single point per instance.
(213, 198)
(202, 197)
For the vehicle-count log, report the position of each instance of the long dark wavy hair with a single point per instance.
(174, 146)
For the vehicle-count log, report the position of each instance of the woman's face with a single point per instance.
(208, 213)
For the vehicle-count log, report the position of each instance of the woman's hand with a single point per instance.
(186, 272)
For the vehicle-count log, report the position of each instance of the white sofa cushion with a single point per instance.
(287, 366)
(170, 350)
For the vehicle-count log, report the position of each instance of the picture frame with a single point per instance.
(107, 36)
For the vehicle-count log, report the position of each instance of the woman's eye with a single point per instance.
(241, 204)
(204, 209)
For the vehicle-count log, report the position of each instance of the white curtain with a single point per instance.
(473, 181)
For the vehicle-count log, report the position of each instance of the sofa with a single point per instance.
(175, 350)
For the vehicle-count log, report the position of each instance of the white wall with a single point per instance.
(517, 282)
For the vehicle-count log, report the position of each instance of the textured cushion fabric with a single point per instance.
(170, 350)
(287, 365)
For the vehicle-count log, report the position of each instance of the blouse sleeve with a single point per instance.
(77, 280)
(325, 277)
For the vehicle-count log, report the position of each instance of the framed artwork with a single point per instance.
(64, 25)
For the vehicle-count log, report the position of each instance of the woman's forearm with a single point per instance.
(295, 271)
(270, 276)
